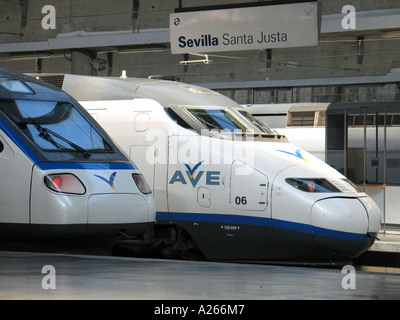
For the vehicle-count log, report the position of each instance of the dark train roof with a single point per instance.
(15, 85)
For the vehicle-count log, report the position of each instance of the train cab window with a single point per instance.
(312, 185)
(259, 125)
(56, 126)
(64, 120)
(175, 117)
(219, 119)
(15, 86)
(1, 146)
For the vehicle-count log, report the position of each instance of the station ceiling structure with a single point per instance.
(97, 38)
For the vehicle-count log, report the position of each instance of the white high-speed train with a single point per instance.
(359, 139)
(61, 174)
(224, 182)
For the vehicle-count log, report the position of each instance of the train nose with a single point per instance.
(133, 213)
(345, 226)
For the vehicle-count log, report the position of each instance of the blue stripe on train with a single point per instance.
(259, 221)
(18, 141)
(86, 165)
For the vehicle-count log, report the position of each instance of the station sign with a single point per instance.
(248, 28)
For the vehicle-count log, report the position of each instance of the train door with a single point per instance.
(249, 188)
(15, 182)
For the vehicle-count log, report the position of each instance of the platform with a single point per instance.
(388, 240)
(98, 277)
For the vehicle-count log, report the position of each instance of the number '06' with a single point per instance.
(241, 200)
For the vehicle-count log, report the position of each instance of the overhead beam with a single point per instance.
(391, 77)
(374, 20)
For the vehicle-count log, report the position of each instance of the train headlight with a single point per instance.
(141, 183)
(64, 183)
(312, 185)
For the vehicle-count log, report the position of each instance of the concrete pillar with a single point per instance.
(80, 63)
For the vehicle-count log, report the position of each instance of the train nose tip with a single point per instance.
(341, 225)
(374, 215)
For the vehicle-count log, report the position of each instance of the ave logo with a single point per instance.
(194, 176)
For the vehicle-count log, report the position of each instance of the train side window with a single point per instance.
(1, 146)
(175, 117)
(219, 119)
(301, 119)
(14, 85)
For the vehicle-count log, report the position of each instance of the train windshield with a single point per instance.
(261, 126)
(56, 126)
(233, 120)
(219, 119)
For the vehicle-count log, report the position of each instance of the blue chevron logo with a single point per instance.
(297, 154)
(110, 181)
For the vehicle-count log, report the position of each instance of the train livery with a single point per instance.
(61, 174)
(225, 183)
(359, 139)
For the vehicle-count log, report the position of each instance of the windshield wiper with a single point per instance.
(209, 125)
(45, 134)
